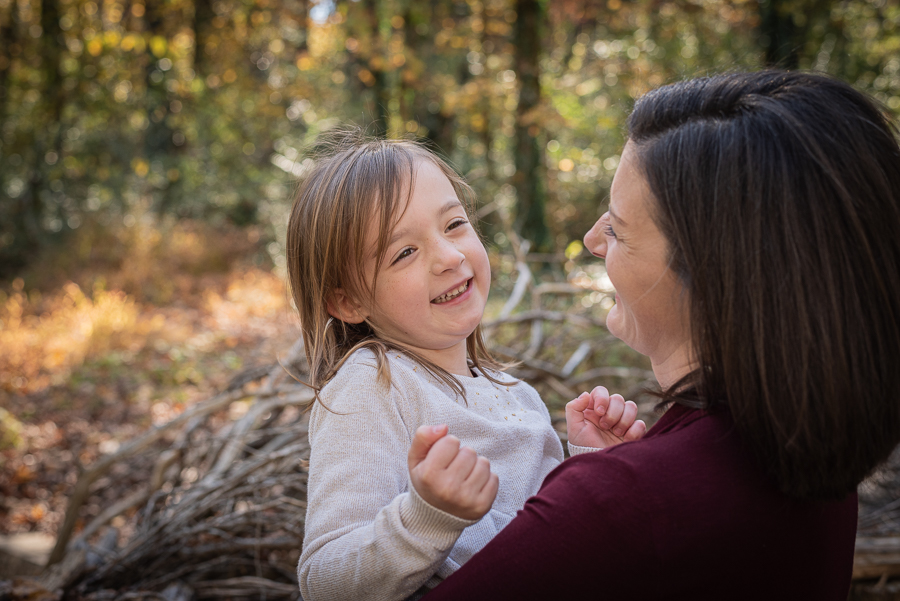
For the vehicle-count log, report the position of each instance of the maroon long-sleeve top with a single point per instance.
(684, 513)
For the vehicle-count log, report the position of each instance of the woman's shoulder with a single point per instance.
(689, 454)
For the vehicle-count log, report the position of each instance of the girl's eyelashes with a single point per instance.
(607, 229)
(409, 250)
(403, 254)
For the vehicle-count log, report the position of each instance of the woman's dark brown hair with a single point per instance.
(779, 194)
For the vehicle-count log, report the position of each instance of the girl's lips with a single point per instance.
(456, 299)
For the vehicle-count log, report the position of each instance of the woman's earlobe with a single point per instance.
(341, 305)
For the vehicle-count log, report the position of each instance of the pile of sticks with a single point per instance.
(221, 514)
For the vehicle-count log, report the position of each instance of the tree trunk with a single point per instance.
(13, 211)
(47, 137)
(380, 87)
(51, 50)
(203, 16)
(7, 39)
(528, 180)
(303, 20)
(158, 144)
(428, 104)
(487, 133)
(778, 34)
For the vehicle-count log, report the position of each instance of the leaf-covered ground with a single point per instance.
(93, 352)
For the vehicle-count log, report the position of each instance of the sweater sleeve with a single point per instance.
(577, 450)
(584, 535)
(368, 536)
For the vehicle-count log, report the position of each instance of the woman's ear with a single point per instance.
(341, 306)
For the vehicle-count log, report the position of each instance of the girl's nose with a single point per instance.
(447, 257)
(595, 239)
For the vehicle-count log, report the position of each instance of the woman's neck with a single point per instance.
(674, 366)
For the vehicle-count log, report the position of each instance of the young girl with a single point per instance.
(391, 279)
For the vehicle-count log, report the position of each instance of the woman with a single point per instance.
(753, 239)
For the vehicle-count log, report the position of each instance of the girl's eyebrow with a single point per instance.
(396, 236)
(448, 206)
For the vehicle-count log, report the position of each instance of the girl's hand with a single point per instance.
(452, 478)
(599, 420)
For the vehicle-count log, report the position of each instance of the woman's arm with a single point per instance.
(583, 536)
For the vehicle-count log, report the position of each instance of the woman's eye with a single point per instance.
(456, 223)
(607, 229)
(403, 254)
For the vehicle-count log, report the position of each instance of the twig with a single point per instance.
(521, 286)
(580, 354)
(544, 315)
(560, 388)
(612, 372)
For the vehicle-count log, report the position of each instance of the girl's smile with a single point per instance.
(453, 294)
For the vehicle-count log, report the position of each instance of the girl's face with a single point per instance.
(434, 279)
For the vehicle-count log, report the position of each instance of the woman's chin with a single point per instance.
(613, 319)
(620, 327)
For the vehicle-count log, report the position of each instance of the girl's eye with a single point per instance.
(607, 229)
(403, 254)
(456, 223)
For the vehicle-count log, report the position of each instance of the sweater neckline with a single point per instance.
(676, 417)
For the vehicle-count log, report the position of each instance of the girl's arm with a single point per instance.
(369, 535)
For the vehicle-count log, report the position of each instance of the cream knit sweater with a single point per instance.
(369, 536)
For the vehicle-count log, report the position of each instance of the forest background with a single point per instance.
(149, 150)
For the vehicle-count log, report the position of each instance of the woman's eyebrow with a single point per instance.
(616, 217)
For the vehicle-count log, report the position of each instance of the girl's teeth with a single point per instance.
(452, 294)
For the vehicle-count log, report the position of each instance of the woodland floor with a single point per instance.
(90, 360)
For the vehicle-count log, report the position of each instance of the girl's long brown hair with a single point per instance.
(356, 188)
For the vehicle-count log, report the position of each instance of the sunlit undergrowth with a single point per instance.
(120, 329)
(44, 337)
(120, 291)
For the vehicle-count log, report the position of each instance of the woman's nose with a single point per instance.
(595, 239)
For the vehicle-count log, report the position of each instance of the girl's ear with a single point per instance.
(341, 306)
